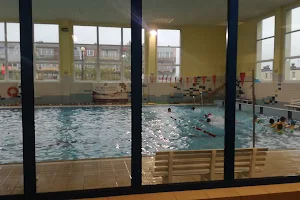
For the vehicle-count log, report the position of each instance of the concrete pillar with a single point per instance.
(66, 59)
(279, 44)
(146, 55)
(259, 51)
(287, 52)
(152, 53)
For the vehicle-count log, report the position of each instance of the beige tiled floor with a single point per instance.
(105, 173)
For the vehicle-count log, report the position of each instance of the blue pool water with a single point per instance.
(66, 133)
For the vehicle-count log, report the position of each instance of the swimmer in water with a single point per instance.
(281, 121)
(193, 108)
(208, 115)
(271, 121)
(257, 120)
(169, 110)
(292, 125)
(279, 128)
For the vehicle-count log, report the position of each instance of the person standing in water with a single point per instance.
(282, 121)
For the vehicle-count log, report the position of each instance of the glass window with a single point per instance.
(168, 54)
(13, 32)
(85, 72)
(265, 48)
(90, 52)
(85, 34)
(109, 36)
(111, 57)
(292, 41)
(110, 72)
(168, 37)
(293, 75)
(264, 70)
(13, 51)
(292, 44)
(110, 46)
(292, 69)
(268, 27)
(295, 19)
(2, 51)
(2, 37)
(127, 36)
(46, 57)
(46, 33)
(85, 46)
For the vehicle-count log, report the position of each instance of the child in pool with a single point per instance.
(257, 120)
(292, 125)
(279, 128)
(271, 122)
(282, 121)
(169, 110)
(208, 115)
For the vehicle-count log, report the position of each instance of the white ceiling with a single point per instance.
(175, 12)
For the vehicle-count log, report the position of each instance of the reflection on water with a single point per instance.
(96, 132)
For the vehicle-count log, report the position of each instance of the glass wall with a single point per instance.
(2, 51)
(126, 58)
(268, 127)
(46, 51)
(110, 53)
(111, 61)
(82, 113)
(10, 51)
(186, 65)
(168, 54)
(85, 47)
(11, 141)
(265, 49)
(87, 95)
(292, 45)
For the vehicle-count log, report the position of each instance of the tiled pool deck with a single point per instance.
(104, 173)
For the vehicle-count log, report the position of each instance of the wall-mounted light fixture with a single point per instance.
(153, 32)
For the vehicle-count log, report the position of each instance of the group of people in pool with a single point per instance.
(279, 125)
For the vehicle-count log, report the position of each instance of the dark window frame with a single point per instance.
(29, 165)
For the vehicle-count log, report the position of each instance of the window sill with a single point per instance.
(290, 81)
(263, 81)
(47, 81)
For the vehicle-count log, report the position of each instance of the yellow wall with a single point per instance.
(203, 50)
(246, 47)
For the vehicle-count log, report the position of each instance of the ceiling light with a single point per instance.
(153, 32)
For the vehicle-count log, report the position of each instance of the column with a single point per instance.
(279, 44)
(66, 59)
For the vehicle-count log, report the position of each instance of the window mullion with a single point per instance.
(98, 76)
(6, 53)
(121, 57)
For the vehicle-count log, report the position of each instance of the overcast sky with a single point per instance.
(112, 36)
